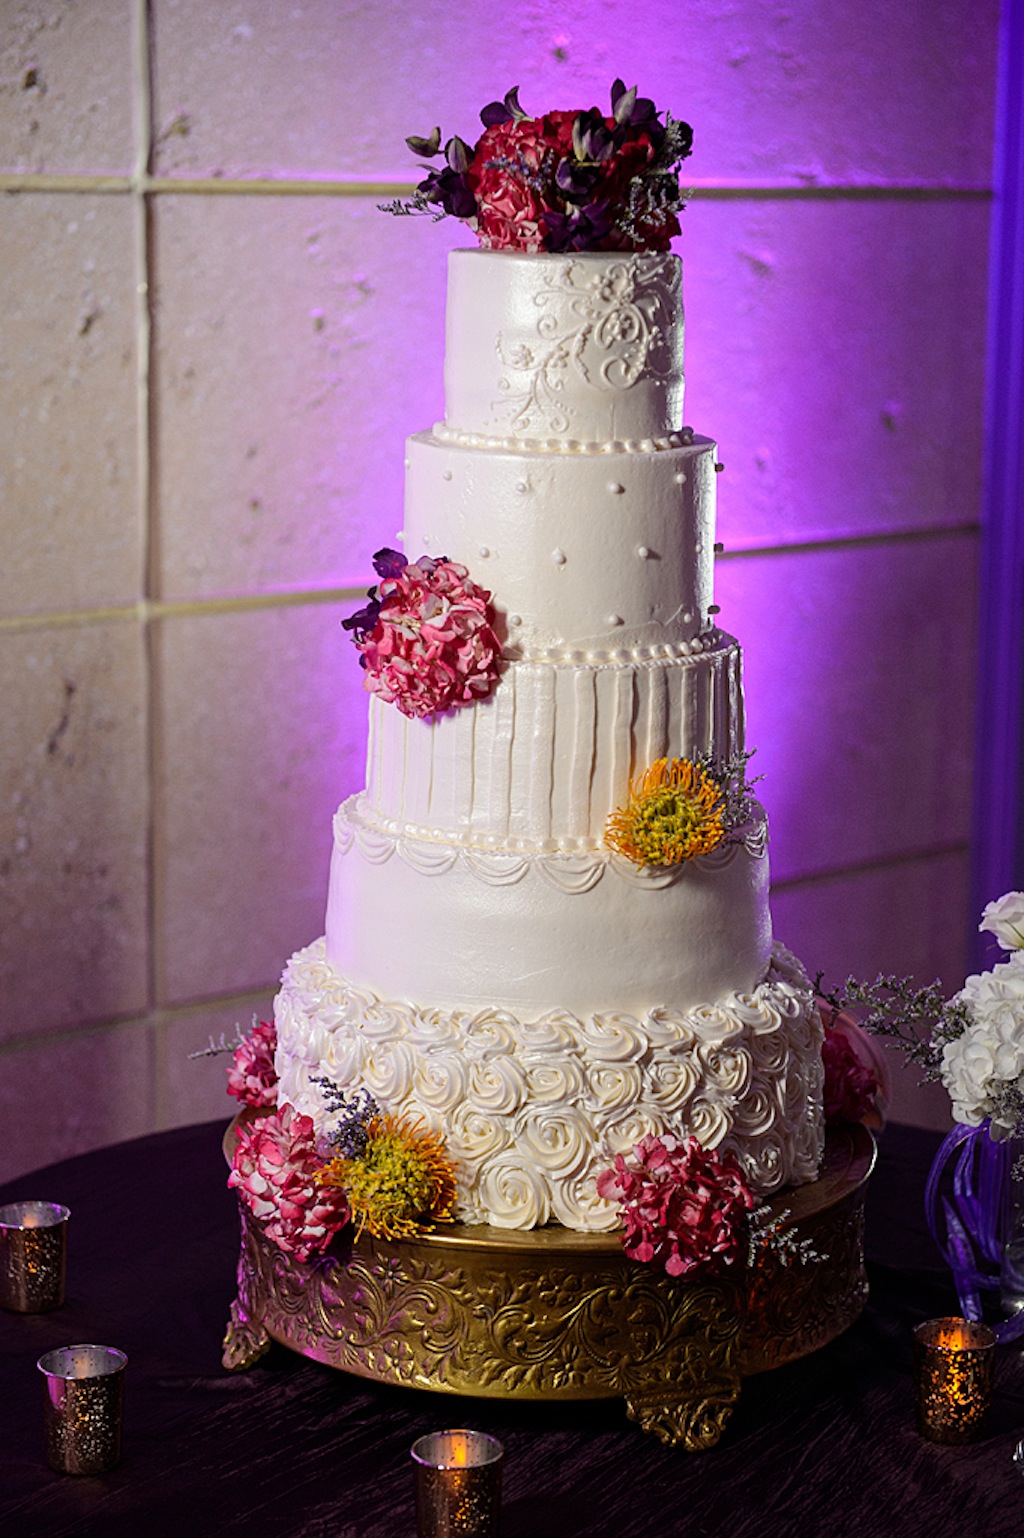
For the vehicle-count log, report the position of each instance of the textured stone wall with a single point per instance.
(212, 348)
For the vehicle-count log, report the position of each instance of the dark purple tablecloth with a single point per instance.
(824, 1446)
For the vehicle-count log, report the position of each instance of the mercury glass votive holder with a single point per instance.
(83, 1407)
(33, 1256)
(954, 1363)
(458, 1484)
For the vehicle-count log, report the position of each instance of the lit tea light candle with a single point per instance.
(458, 1484)
(954, 1361)
(33, 1256)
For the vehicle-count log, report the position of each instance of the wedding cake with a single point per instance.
(548, 932)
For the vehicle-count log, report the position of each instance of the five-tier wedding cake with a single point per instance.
(548, 931)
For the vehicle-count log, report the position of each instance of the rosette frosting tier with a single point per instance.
(531, 1132)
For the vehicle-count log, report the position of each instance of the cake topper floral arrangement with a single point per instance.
(565, 181)
(425, 636)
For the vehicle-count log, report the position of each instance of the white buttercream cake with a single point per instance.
(490, 964)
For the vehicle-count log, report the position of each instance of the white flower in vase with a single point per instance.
(1004, 918)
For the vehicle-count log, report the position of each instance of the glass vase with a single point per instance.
(1011, 1266)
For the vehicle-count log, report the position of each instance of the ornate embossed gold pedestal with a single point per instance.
(552, 1314)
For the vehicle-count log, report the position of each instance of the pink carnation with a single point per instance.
(252, 1077)
(275, 1169)
(682, 1205)
(507, 181)
(432, 647)
(853, 1087)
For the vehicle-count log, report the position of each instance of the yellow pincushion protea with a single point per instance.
(675, 812)
(402, 1184)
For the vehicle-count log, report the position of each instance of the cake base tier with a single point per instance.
(553, 1314)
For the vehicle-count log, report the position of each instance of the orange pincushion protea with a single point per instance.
(675, 812)
(403, 1182)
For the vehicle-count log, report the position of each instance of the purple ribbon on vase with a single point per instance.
(973, 1219)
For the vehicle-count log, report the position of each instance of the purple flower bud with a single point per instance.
(590, 137)
(574, 180)
(363, 621)
(389, 563)
(514, 109)
(494, 113)
(623, 104)
(458, 154)
(426, 147)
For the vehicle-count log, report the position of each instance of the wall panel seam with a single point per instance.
(149, 610)
(892, 860)
(270, 186)
(158, 1016)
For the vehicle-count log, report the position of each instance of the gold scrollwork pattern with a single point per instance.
(545, 1317)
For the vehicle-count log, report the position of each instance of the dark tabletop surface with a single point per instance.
(823, 1446)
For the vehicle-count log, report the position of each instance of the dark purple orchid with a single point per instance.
(451, 190)
(578, 229)
(577, 182)
(592, 140)
(507, 111)
(386, 563)
(389, 563)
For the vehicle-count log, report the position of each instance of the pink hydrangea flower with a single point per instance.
(275, 1170)
(431, 646)
(252, 1077)
(857, 1084)
(682, 1205)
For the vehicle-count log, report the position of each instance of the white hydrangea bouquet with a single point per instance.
(983, 1065)
(973, 1044)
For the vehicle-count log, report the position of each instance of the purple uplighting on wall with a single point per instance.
(999, 793)
(214, 347)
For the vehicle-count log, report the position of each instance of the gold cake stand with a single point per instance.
(552, 1314)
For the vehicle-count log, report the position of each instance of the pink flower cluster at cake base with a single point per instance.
(275, 1170)
(252, 1077)
(426, 636)
(857, 1086)
(683, 1206)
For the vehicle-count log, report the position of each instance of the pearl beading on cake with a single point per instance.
(678, 440)
(567, 864)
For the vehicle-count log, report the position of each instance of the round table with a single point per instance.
(825, 1445)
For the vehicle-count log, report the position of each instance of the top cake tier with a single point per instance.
(583, 350)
